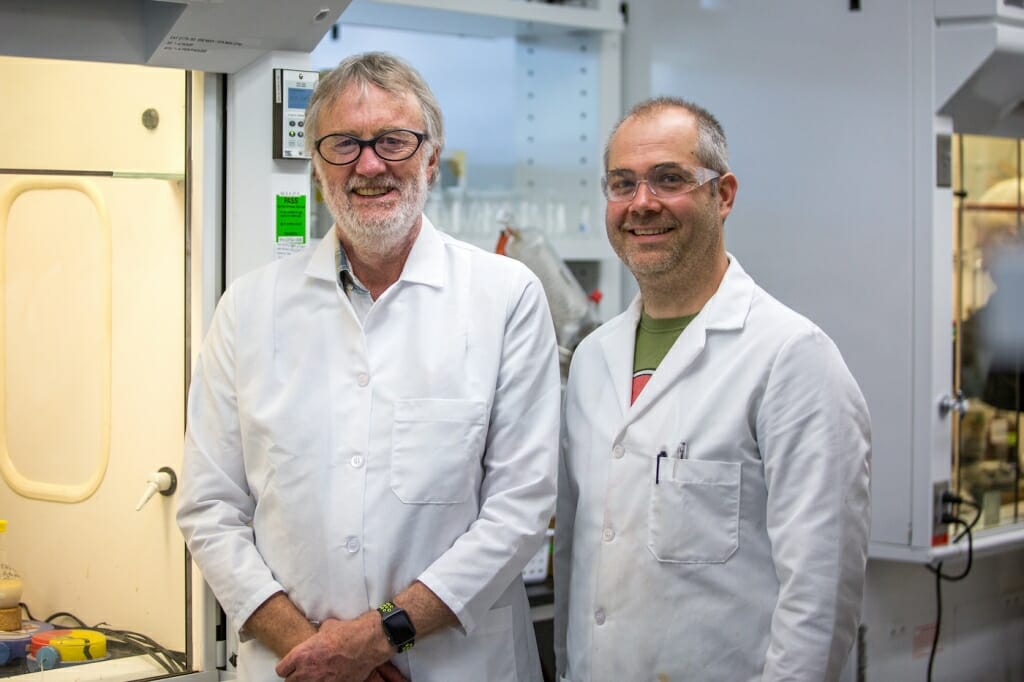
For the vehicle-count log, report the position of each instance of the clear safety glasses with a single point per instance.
(665, 181)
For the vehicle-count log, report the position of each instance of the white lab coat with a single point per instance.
(340, 461)
(745, 560)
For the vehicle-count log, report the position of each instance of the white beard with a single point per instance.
(384, 232)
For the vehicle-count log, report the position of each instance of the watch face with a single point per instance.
(399, 628)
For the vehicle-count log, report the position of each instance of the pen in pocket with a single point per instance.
(657, 465)
(681, 450)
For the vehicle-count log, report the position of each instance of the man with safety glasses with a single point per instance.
(713, 508)
(373, 423)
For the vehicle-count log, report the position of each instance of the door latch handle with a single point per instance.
(957, 403)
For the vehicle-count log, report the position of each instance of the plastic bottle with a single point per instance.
(574, 313)
(10, 588)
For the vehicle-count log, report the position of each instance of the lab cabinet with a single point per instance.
(848, 211)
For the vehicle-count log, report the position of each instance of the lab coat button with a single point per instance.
(599, 616)
(608, 534)
(363, 378)
(352, 544)
(618, 451)
(356, 461)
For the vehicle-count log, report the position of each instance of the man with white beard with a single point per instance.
(373, 423)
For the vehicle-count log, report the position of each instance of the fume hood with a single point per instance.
(221, 36)
(979, 57)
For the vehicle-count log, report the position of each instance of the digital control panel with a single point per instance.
(292, 90)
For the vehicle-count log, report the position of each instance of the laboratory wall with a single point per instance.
(92, 349)
(828, 109)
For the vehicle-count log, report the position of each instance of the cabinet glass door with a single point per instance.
(93, 365)
(988, 219)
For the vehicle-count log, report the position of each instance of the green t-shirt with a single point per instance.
(653, 339)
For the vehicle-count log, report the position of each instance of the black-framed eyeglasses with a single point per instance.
(339, 149)
(663, 181)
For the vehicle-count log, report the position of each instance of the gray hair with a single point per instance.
(712, 151)
(385, 71)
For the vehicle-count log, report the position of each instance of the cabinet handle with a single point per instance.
(957, 403)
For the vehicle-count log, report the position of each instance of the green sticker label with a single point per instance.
(291, 216)
(290, 224)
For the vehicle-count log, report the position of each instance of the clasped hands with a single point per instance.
(342, 651)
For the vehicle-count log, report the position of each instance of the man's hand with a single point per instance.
(358, 650)
(386, 673)
(342, 651)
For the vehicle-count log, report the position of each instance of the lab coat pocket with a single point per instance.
(496, 642)
(435, 447)
(693, 513)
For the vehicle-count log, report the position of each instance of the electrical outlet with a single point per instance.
(940, 530)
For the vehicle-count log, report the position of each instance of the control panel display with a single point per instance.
(292, 91)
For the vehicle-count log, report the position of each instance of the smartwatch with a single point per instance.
(397, 626)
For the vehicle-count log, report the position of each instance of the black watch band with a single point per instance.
(397, 626)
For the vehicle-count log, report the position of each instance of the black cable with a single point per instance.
(64, 614)
(940, 576)
(124, 638)
(938, 617)
(28, 614)
(171, 661)
(974, 521)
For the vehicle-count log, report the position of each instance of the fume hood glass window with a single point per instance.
(93, 368)
(989, 341)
